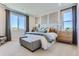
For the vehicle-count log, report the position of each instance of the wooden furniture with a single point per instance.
(64, 36)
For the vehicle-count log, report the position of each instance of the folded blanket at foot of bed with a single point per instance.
(50, 37)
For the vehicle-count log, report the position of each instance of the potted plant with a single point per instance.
(67, 29)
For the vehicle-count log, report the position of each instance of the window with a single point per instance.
(21, 22)
(14, 21)
(17, 21)
(67, 19)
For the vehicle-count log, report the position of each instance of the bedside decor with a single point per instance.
(33, 29)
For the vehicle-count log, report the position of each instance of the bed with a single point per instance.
(35, 40)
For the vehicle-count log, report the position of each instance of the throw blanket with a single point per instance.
(44, 41)
(49, 37)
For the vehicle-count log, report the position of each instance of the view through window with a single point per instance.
(67, 19)
(17, 21)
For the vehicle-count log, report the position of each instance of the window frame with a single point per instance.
(18, 15)
(64, 21)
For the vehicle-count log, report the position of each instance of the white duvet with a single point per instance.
(44, 42)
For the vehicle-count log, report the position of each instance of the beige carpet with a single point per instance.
(13, 48)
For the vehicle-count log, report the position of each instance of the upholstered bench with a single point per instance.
(30, 43)
(2, 40)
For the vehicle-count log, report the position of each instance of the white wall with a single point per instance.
(44, 19)
(2, 21)
(53, 18)
(37, 20)
(49, 19)
(31, 22)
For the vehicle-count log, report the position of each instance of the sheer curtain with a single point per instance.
(19, 24)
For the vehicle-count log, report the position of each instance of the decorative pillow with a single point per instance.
(42, 29)
(34, 29)
(52, 30)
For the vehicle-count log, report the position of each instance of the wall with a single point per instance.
(49, 19)
(44, 19)
(31, 22)
(37, 20)
(53, 18)
(2, 21)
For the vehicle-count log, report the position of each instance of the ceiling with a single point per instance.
(37, 9)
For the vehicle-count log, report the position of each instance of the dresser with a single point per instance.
(65, 36)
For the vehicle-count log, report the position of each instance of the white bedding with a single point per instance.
(44, 42)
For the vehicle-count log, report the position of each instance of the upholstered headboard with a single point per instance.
(46, 27)
(55, 26)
